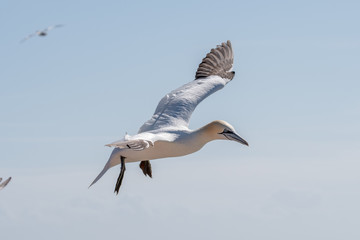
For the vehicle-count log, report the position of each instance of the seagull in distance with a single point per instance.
(3, 184)
(166, 133)
(41, 33)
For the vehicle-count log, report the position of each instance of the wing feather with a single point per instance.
(175, 109)
(218, 61)
(136, 144)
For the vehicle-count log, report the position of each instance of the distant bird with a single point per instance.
(41, 33)
(3, 184)
(167, 134)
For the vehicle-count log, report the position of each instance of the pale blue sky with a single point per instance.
(295, 99)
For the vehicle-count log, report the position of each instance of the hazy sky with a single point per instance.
(295, 99)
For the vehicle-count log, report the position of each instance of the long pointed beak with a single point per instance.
(235, 137)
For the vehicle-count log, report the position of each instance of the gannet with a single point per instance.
(3, 184)
(166, 134)
(41, 33)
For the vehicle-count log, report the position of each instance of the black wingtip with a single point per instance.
(218, 62)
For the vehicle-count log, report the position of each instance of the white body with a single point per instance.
(180, 143)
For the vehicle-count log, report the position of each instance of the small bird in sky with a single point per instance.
(167, 134)
(3, 184)
(41, 33)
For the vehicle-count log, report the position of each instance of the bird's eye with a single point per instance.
(226, 131)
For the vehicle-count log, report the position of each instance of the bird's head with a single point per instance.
(222, 130)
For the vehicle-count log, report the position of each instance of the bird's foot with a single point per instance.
(146, 168)
(121, 175)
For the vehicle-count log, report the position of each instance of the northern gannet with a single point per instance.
(167, 134)
(41, 33)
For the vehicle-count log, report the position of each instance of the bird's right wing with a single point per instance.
(175, 109)
(52, 27)
(136, 144)
(142, 141)
(3, 184)
(27, 37)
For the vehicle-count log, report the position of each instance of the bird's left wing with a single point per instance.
(3, 184)
(175, 109)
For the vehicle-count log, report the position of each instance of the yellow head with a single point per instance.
(222, 130)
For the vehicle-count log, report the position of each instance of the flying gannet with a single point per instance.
(167, 134)
(41, 33)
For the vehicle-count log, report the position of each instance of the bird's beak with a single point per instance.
(235, 137)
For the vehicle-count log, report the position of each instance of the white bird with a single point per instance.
(41, 33)
(3, 184)
(167, 134)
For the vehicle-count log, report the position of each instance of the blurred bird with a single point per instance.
(167, 134)
(41, 33)
(3, 184)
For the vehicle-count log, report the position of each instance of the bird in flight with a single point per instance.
(41, 33)
(166, 133)
(3, 184)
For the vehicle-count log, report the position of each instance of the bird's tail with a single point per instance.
(100, 175)
(113, 161)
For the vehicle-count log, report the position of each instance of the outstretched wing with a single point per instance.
(3, 184)
(175, 108)
(52, 27)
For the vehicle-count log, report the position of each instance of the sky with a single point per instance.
(295, 99)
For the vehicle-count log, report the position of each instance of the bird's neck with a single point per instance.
(205, 134)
